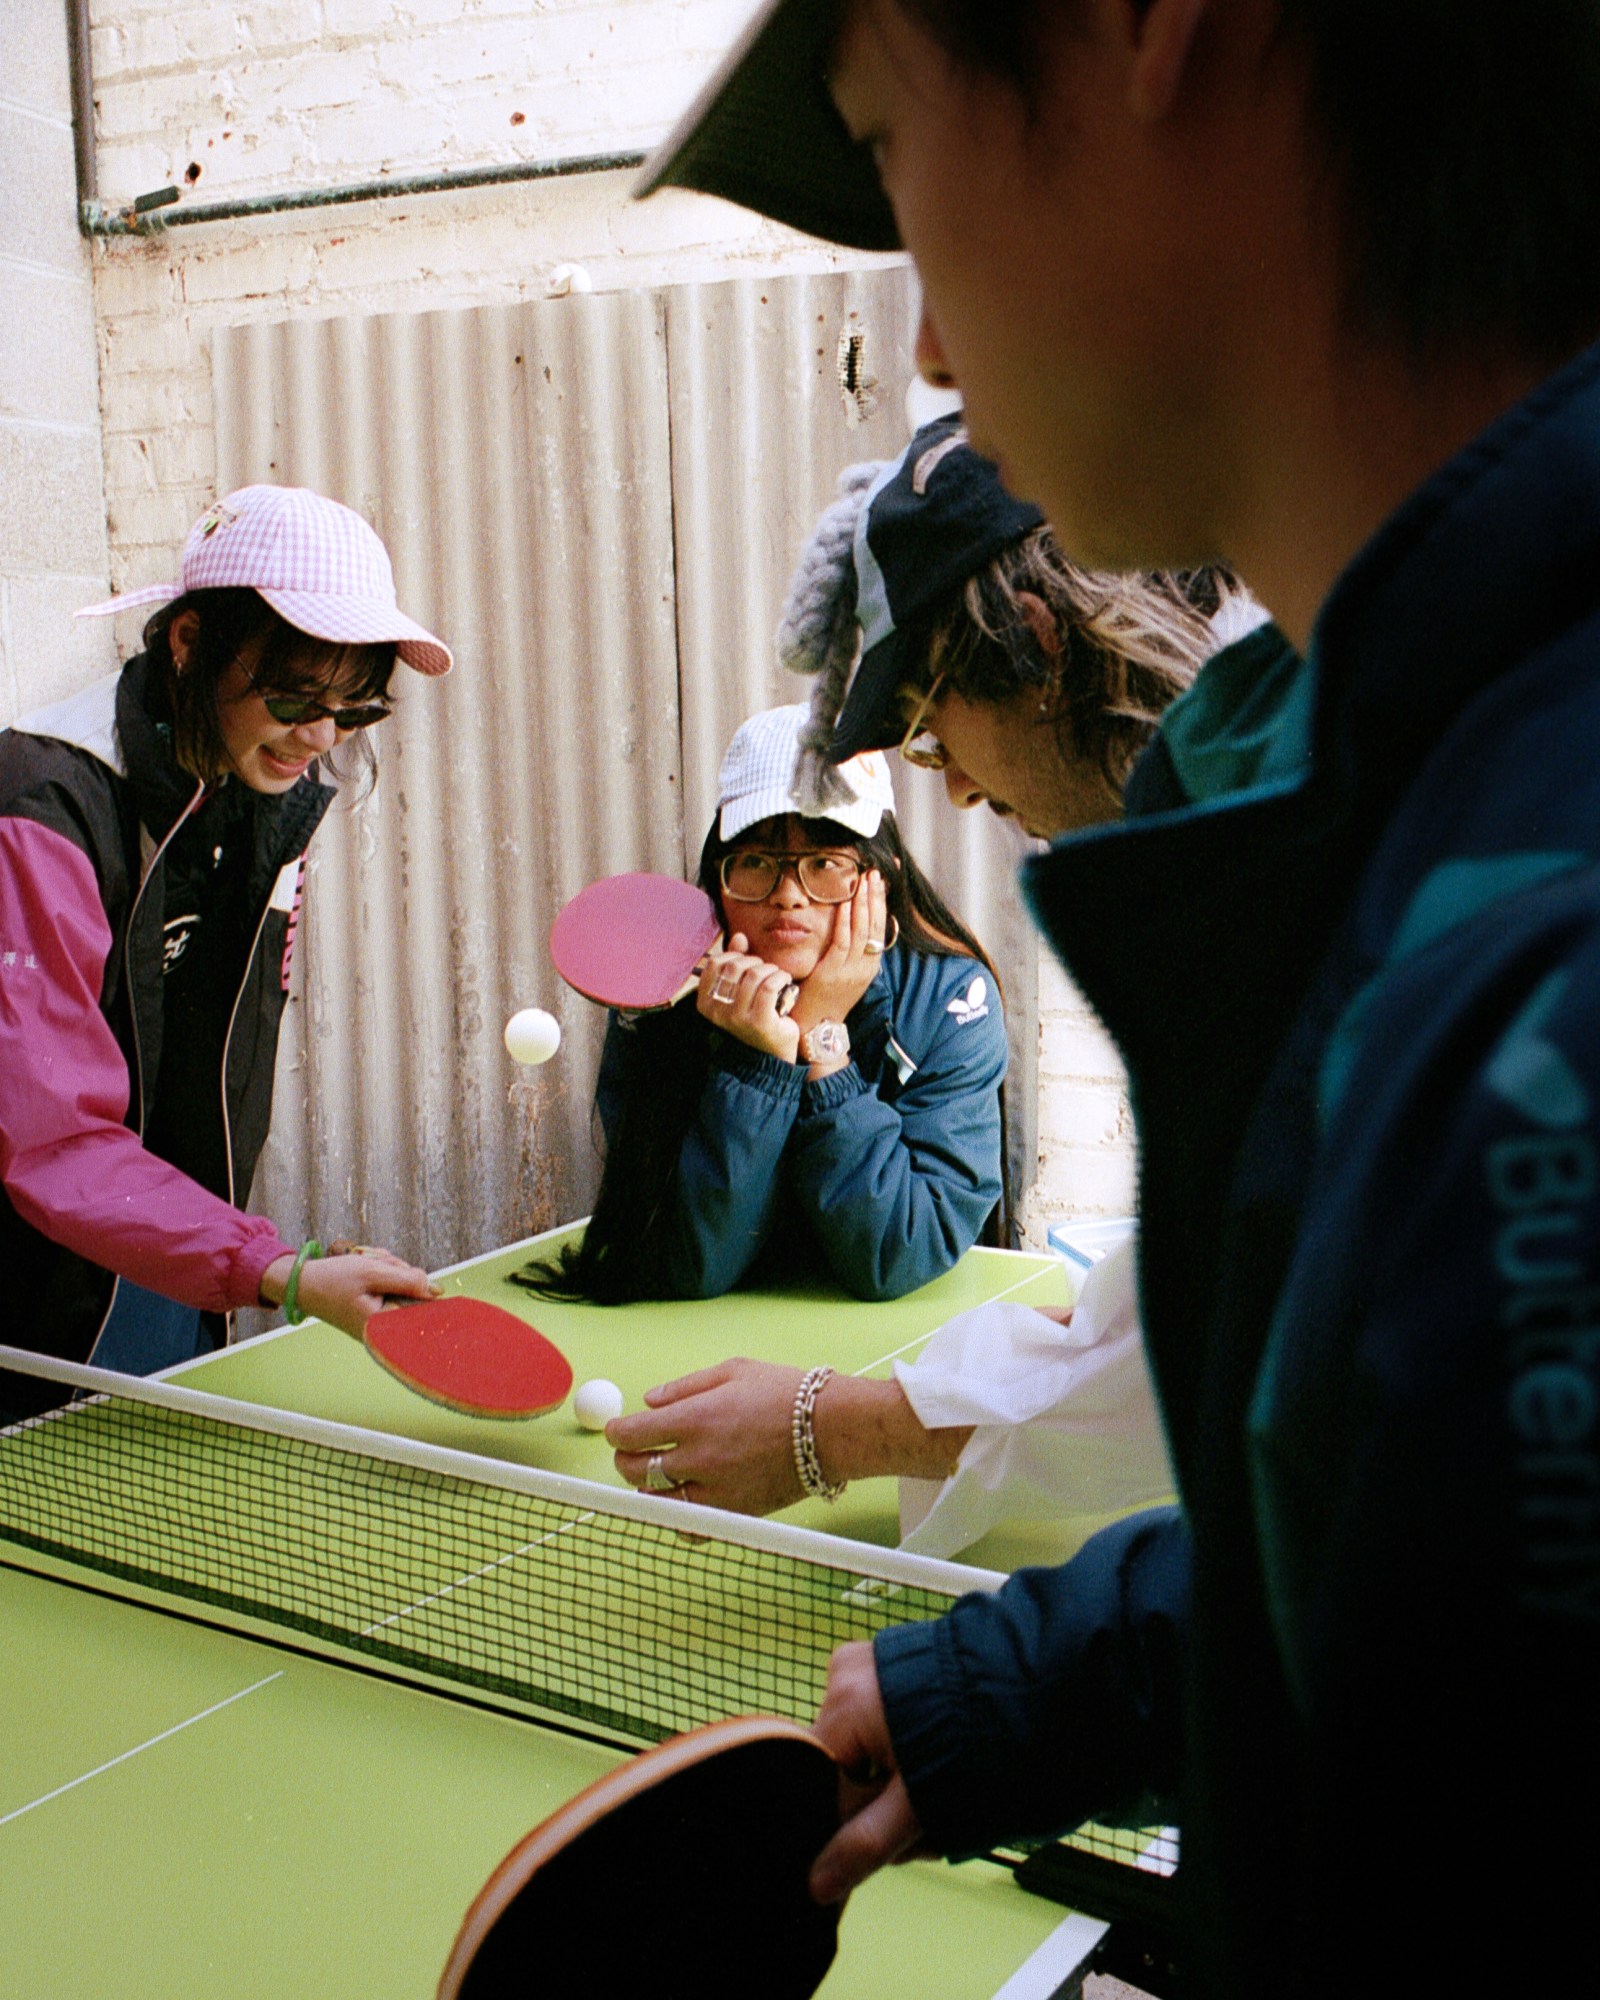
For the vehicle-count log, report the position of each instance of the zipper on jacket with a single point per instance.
(227, 1043)
(147, 869)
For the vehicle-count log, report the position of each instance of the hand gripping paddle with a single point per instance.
(697, 1850)
(470, 1356)
(637, 942)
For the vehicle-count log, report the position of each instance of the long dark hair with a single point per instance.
(621, 1257)
(236, 620)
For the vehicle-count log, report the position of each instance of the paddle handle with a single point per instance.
(786, 999)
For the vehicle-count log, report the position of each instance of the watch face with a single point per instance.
(827, 1040)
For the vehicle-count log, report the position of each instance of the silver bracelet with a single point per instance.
(802, 1433)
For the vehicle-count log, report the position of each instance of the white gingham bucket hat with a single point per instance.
(316, 562)
(757, 778)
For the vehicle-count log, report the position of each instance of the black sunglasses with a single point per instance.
(298, 708)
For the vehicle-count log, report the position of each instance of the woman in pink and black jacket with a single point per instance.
(152, 838)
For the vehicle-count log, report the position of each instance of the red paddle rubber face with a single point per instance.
(470, 1356)
(682, 1873)
(634, 941)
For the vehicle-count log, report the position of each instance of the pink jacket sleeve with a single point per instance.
(69, 1164)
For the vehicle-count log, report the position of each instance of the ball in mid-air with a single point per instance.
(596, 1403)
(533, 1036)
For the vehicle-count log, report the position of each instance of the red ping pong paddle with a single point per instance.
(470, 1356)
(637, 942)
(700, 1849)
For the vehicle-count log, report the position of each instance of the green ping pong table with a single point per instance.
(292, 1658)
(318, 1372)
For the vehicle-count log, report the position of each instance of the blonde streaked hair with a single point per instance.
(1128, 646)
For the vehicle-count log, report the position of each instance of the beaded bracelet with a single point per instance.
(291, 1304)
(803, 1436)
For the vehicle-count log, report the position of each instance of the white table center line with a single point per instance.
(150, 1743)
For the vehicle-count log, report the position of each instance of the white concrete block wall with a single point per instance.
(255, 95)
(53, 554)
(269, 95)
(1086, 1151)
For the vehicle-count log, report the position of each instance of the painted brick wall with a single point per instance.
(249, 97)
(52, 499)
(1086, 1145)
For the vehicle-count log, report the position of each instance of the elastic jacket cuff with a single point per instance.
(827, 1093)
(924, 1701)
(250, 1264)
(764, 1072)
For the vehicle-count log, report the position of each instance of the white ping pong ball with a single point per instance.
(596, 1403)
(533, 1036)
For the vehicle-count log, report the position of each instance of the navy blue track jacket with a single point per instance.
(1350, 949)
(883, 1174)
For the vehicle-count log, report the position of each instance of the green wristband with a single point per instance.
(291, 1305)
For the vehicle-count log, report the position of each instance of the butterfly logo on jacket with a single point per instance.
(972, 1005)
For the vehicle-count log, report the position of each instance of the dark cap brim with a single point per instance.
(871, 718)
(765, 133)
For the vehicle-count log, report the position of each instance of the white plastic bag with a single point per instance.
(1066, 1419)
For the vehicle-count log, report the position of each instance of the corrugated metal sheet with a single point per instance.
(597, 501)
(761, 431)
(515, 461)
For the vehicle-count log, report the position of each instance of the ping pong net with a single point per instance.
(621, 1615)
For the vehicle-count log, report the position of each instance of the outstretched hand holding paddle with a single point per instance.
(470, 1356)
(347, 1286)
(461, 1352)
(699, 1847)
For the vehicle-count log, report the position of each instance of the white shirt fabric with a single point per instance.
(1065, 1416)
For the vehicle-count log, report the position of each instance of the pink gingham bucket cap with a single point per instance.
(315, 561)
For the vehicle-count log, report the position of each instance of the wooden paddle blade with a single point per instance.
(633, 941)
(470, 1356)
(696, 1852)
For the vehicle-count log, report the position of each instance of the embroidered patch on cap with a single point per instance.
(220, 516)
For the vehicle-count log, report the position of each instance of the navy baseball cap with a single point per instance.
(932, 518)
(765, 133)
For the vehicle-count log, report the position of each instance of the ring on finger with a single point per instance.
(656, 1477)
(726, 987)
(873, 945)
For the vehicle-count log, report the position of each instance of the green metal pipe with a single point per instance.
(148, 215)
